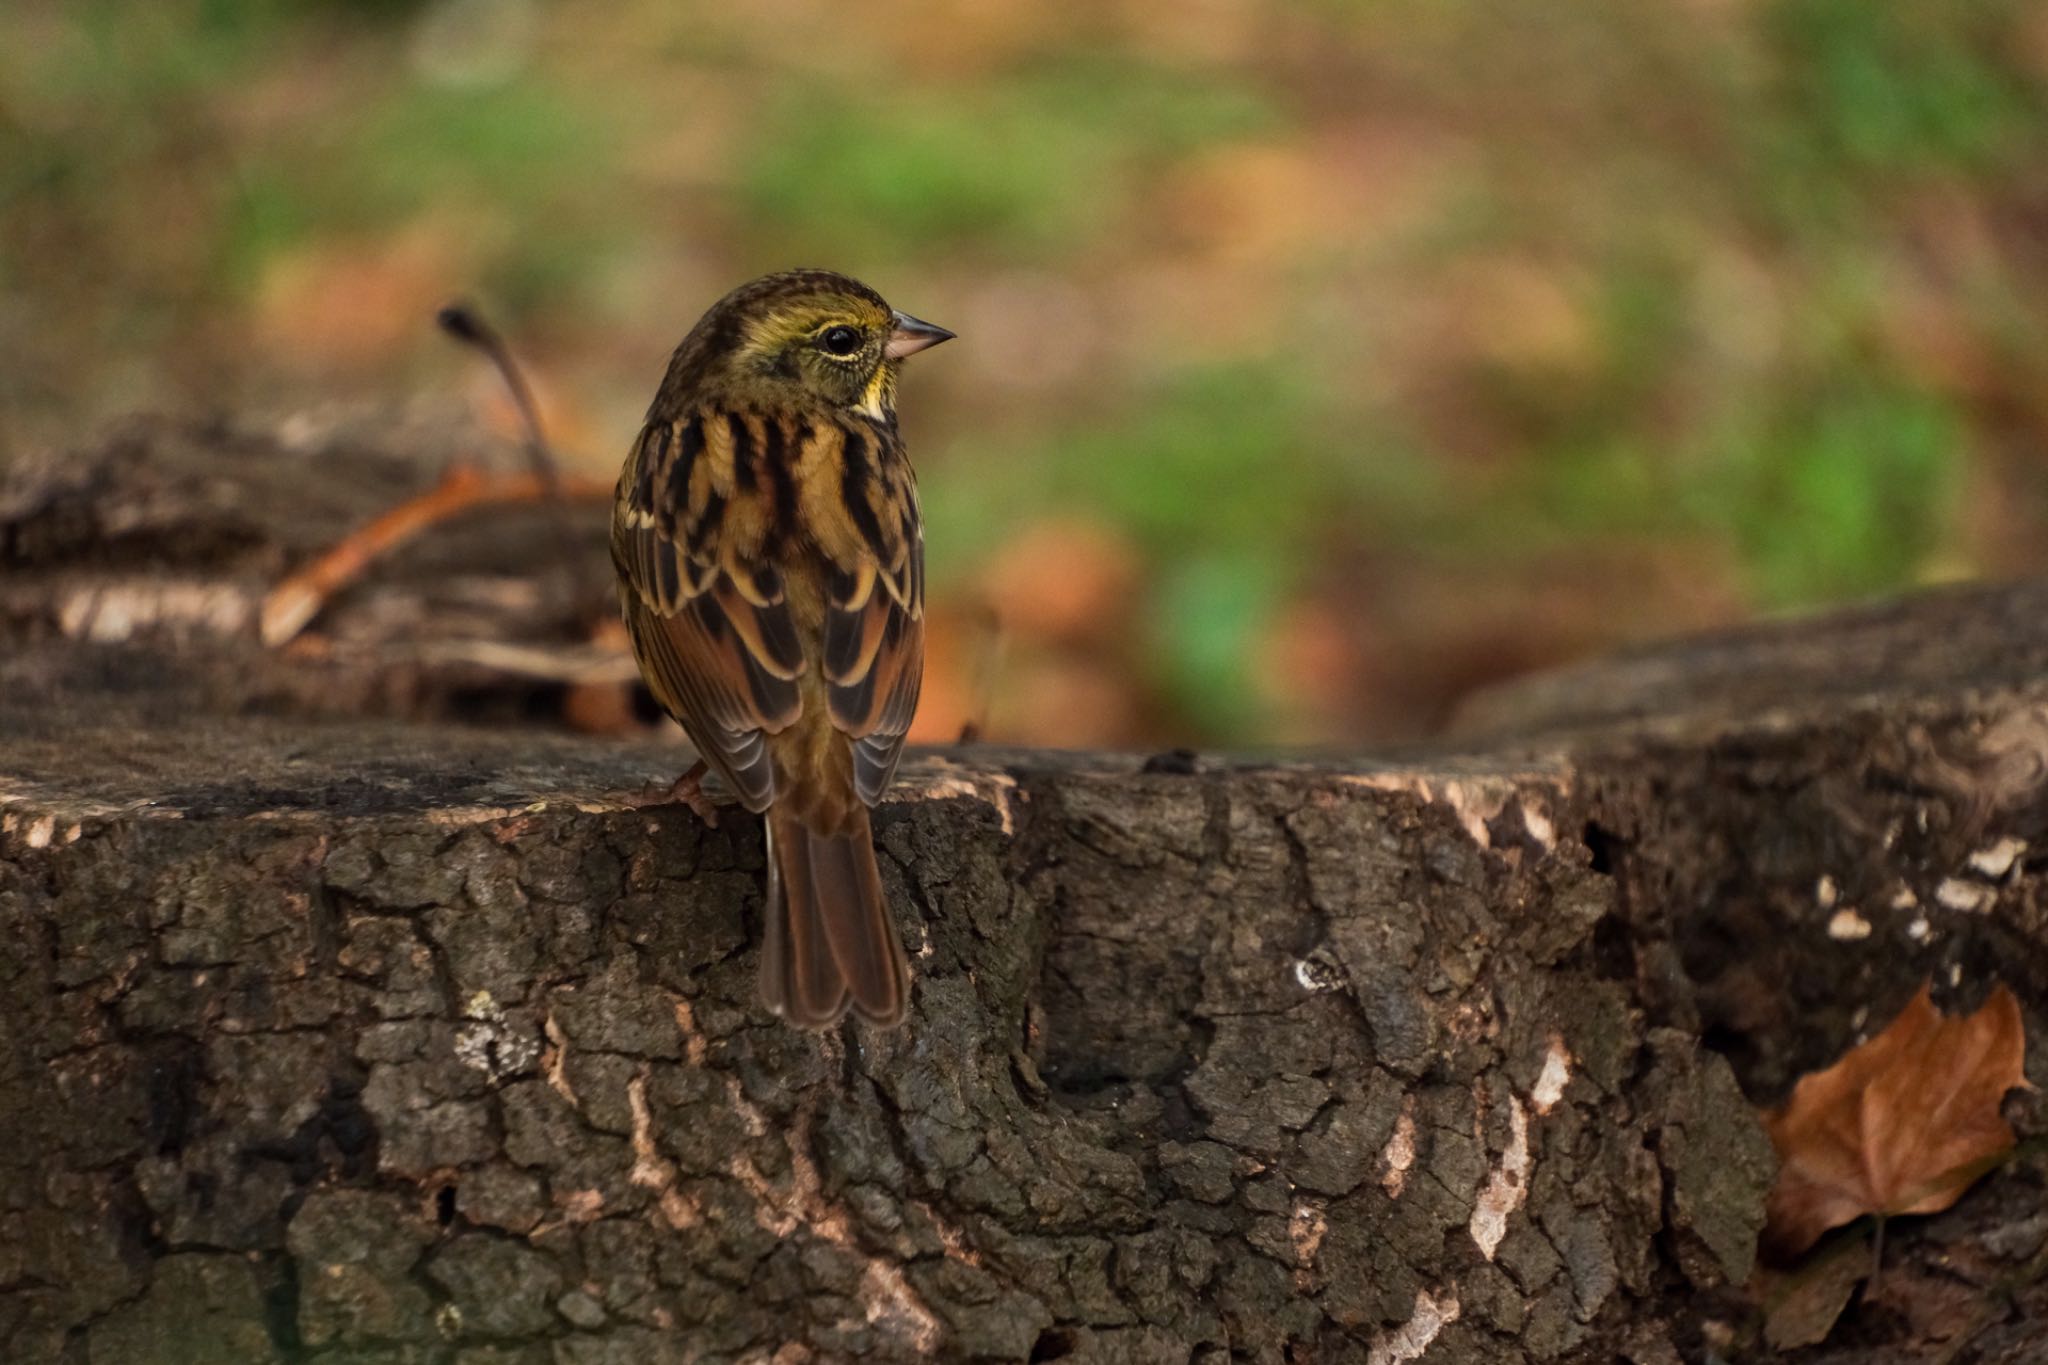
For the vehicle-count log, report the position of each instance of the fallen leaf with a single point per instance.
(1801, 1308)
(1902, 1124)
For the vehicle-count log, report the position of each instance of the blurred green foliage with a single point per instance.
(1027, 167)
(1831, 498)
(1219, 477)
(1885, 89)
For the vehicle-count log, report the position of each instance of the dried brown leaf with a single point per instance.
(1802, 1306)
(1902, 1124)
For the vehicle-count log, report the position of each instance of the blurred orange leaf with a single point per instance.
(951, 698)
(1902, 1124)
(1063, 579)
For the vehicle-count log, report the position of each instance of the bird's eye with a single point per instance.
(840, 341)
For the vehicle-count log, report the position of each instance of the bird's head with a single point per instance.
(804, 336)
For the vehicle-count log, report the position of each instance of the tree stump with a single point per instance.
(337, 1030)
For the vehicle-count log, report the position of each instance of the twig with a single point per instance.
(298, 599)
(462, 321)
(466, 325)
(578, 665)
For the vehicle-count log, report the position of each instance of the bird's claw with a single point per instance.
(687, 790)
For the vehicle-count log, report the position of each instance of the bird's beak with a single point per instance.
(909, 335)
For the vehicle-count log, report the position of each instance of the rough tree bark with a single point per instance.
(333, 1034)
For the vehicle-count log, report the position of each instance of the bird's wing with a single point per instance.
(709, 619)
(874, 610)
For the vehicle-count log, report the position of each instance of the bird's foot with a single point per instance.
(686, 790)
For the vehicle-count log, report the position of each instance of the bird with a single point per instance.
(770, 557)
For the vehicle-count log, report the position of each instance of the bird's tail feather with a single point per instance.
(830, 941)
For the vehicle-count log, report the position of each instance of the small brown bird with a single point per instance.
(771, 569)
